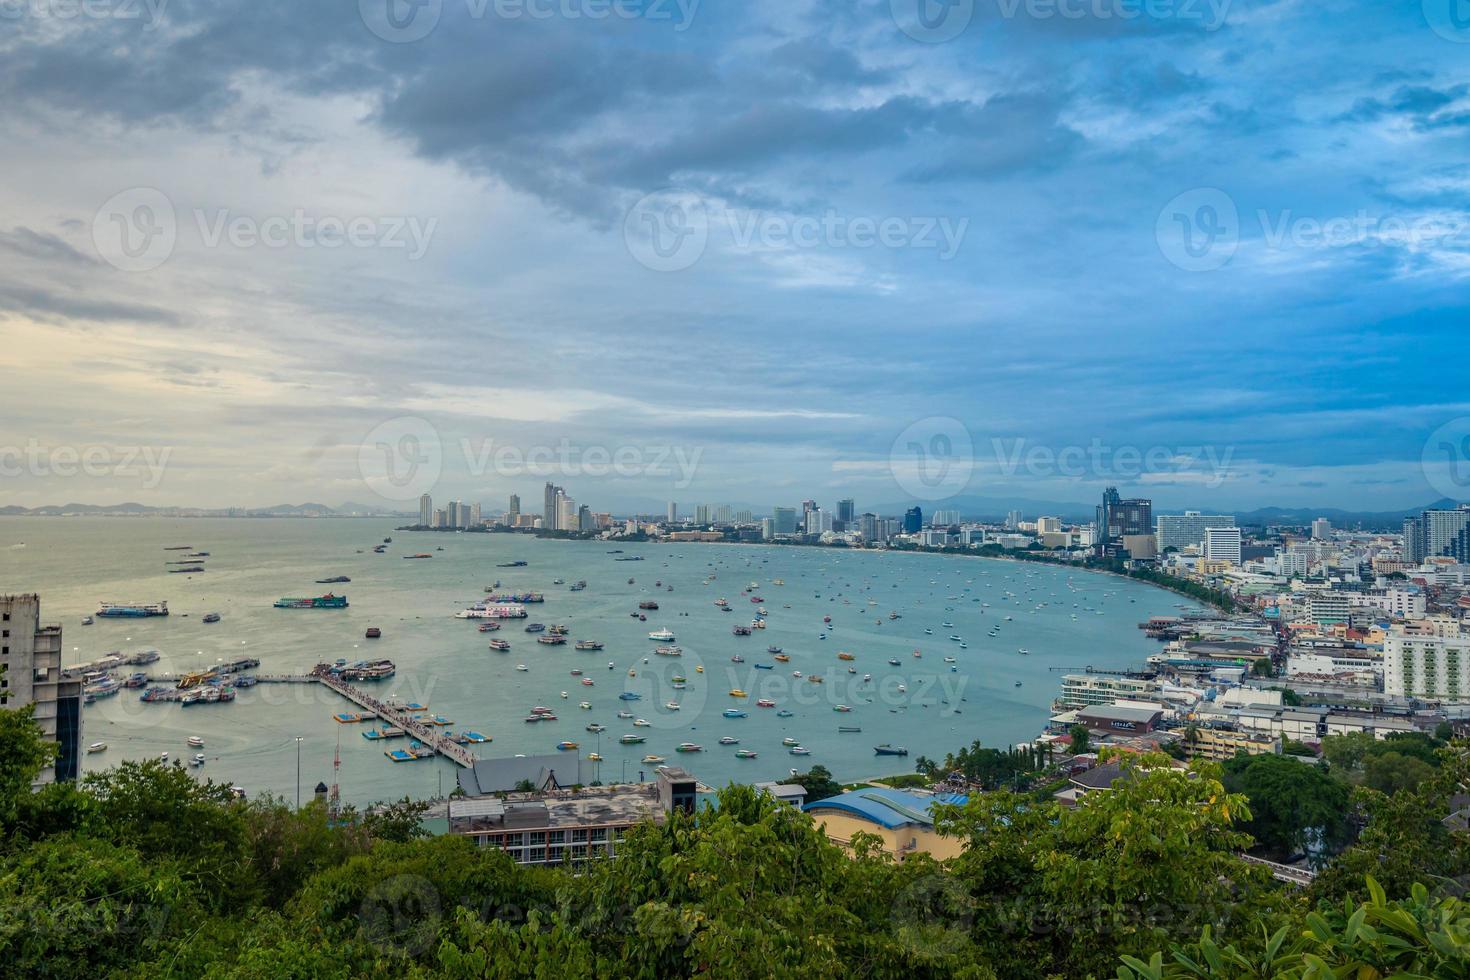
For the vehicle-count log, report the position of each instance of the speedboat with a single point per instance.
(96, 747)
(653, 760)
(672, 705)
(788, 741)
(522, 667)
(744, 754)
(799, 750)
(625, 714)
(765, 703)
(729, 740)
(641, 723)
(783, 713)
(735, 713)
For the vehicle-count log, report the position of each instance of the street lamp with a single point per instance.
(298, 771)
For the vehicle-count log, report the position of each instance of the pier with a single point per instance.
(429, 735)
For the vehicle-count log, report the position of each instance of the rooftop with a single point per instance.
(889, 808)
(594, 807)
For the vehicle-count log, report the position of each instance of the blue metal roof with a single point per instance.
(889, 808)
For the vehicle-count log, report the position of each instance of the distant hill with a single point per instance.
(142, 510)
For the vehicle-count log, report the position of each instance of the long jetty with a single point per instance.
(428, 735)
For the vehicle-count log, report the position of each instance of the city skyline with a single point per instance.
(496, 177)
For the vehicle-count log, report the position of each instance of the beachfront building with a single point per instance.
(30, 673)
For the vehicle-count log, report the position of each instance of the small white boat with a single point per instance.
(96, 747)
(195, 742)
(522, 667)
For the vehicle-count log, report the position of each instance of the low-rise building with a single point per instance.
(1220, 744)
(904, 821)
(1081, 690)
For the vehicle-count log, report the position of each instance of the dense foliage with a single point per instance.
(144, 871)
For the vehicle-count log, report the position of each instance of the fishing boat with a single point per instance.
(738, 693)
(195, 741)
(648, 604)
(845, 656)
(886, 749)
(773, 649)
(782, 658)
(765, 666)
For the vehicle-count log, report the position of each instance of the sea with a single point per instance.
(909, 682)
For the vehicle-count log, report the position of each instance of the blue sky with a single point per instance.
(1229, 237)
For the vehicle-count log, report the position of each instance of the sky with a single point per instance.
(1214, 252)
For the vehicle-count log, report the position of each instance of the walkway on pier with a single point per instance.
(1301, 877)
(429, 735)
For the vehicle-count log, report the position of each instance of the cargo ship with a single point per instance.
(113, 610)
(327, 601)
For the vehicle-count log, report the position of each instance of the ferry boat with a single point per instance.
(588, 645)
(513, 598)
(663, 635)
(744, 754)
(194, 741)
(487, 610)
(501, 645)
(120, 610)
(361, 670)
(668, 651)
(489, 627)
(328, 601)
(552, 640)
(536, 628)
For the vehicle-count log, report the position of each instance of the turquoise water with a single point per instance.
(445, 663)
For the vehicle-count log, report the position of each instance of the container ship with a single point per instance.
(327, 601)
(133, 609)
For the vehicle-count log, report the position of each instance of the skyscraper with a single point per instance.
(30, 662)
(784, 520)
(1117, 517)
(1222, 544)
(1321, 529)
(1180, 531)
(513, 512)
(426, 510)
(566, 512)
(549, 507)
(673, 516)
(913, 520)
(846, 510)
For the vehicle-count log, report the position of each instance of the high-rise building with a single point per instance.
(724, 514)
(1013, 520)
(475, 515)
(550, 506)
(1420, 666)
(1413, 540)
(1117, 516)
(1438, 534)
(30, 673)
(1321, 529)
(1180, 531)
(846, 510)
(701, 514)
(1222, 544)
(784, 520)
(807, 506)
(426, 510)
(673, 516)
(818, 521)
(585, 520)
(913, 520)
(944, 518)
(566, 513)
(513, 511)
(868, 528)
(1048, 525)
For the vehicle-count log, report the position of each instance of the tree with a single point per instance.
(23, 754)
(1293, 805)
(1263, 668)
(1081, 739)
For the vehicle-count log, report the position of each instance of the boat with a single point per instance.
(848, 729)
(499, 644)
(672, 705)
(492, 611)
(738, 693)
(886, 749)
(783, 713)
(489, 627)
(197, 760)
(648, 604)
(129, 610)
(512, 564)
(729, 740)
(653, 760)
(633, 739)
(630, 696)
(735, 713)
(782, 658)
(845, 656)
(841, 708)
(765, 703)
(668, 651)
(536, 628)
(641, 723)
(417, 556)
(566, 746)
(740, 630)
(96, 747)
(551, 640)
(588, 645)
(596, 727)
(195, 741)
(773, 649)
(333, 581)
(765, 666)
(663, 635)
(86, 620)
(625, 714)
(799, 750)
(328, 601)
(1023, 651)
(593, 757)
(558, 630)
(522, 667)
(513, 598)
(1018, 683)
(688, 747)
(788, 741)
(373, 633)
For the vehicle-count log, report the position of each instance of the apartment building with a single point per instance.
(30, 673)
